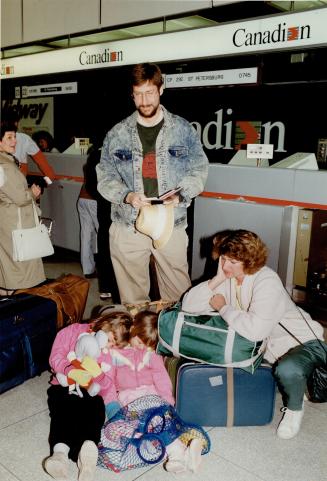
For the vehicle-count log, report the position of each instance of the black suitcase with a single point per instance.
(27, 332)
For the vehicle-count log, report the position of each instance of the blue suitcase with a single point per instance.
(216, 396)
(27, 331)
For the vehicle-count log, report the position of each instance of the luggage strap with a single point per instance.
(230, 397)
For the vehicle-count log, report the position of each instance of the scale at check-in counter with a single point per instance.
(79, 147)
(255, 155)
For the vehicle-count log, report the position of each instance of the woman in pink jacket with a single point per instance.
(76, 420)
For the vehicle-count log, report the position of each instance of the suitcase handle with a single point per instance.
(18, 319)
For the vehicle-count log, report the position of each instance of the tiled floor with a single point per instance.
(237, 454)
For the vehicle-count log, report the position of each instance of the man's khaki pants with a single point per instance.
(130, 254)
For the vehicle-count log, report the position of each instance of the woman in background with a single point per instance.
(44, 141)
(15, 194)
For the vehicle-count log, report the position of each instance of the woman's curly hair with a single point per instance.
(241, 245)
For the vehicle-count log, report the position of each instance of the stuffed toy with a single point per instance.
(86, 372)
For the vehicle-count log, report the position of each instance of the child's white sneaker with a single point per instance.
(290, 424)
(87, 461)
(175, 466)
(57, 466)
(176, 462)
(194, 455)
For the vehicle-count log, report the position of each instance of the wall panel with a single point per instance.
(11, 22)
(114, 12)
(48, 18)
(44, 19)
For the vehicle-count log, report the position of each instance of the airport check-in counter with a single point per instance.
(59, 200)
(260, 199)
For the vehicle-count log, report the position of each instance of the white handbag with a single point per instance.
(33, 242)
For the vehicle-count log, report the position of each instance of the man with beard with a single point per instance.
(147, 154)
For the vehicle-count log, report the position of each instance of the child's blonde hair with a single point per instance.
(145, 327)
(119, 323)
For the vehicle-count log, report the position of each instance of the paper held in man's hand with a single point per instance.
(166, 195)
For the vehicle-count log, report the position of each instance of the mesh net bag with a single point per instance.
(139, 433)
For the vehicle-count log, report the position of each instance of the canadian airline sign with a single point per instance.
(290, 31)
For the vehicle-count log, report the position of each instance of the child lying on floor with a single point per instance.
(139, 372)
(76, 420)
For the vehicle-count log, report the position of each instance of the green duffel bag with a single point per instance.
(206, 338)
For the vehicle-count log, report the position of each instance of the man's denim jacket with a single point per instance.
(180, 159)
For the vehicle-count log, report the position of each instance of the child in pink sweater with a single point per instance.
(76, 421)
(139, 371)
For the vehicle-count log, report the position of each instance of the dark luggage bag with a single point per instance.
(217, 396)
(27, 332)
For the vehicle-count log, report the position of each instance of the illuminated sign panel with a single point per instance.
(290, 31)
(49, 89)
(214, 77)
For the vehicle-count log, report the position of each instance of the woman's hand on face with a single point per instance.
(219, 277)
(217, 302)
